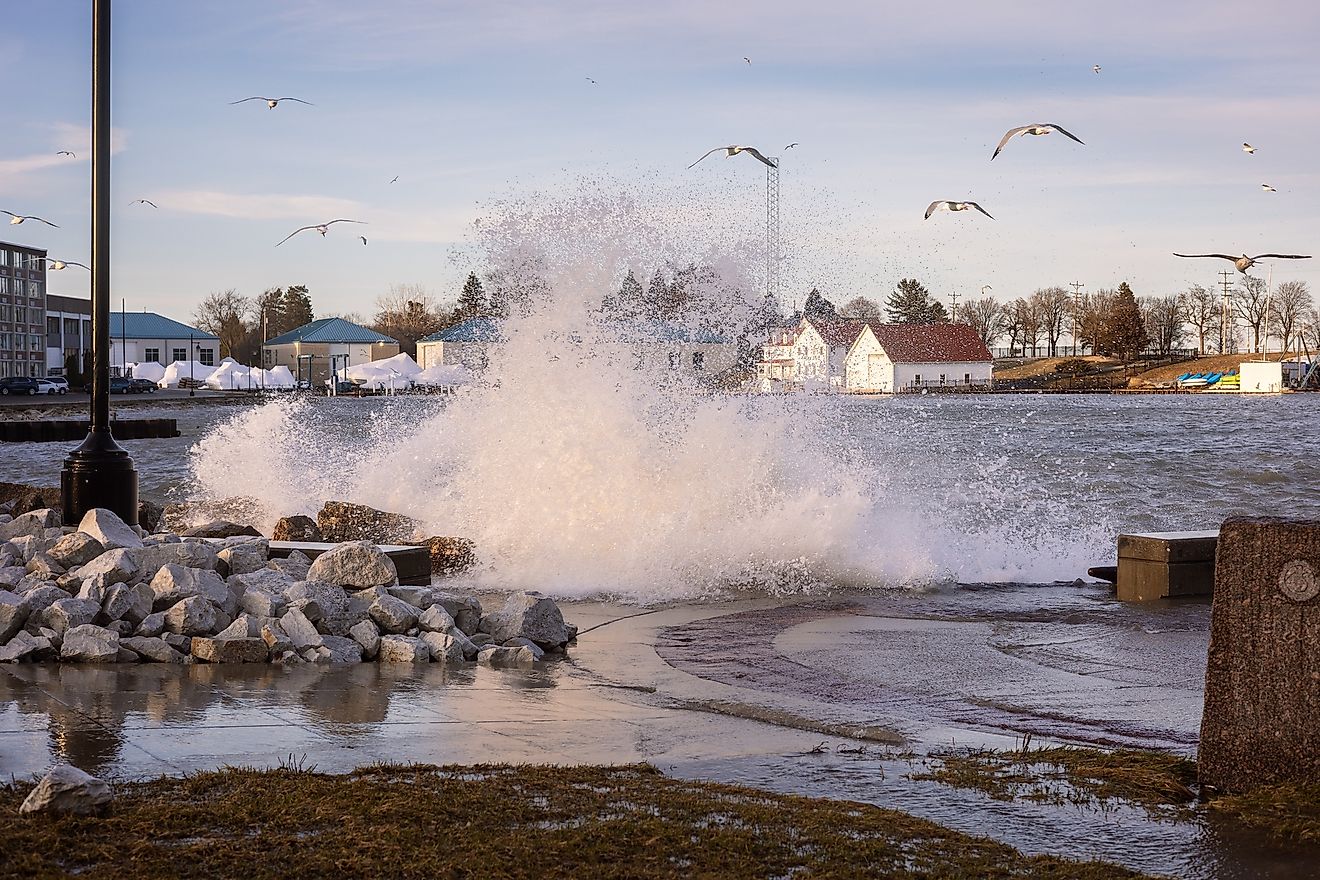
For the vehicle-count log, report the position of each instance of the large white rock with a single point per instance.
(528, 615)
(34, 522)
(444, 647)
(151, 648)
(65, 614)
(355, 564)
(194, 616)
(436, 619)
(266, 580)
(343, 650)
(403, 649)
(393, 615)
(260, 603)
(124, 602)
(189, 554)
(106, 527)
(301, 631)
(21, 645)
(66, 789)
(90, 644)
(247, 557)
(173, 583)
(117, 567)
(366, 635)
(14, 612)
(329, 600)
(494, 655)
(75, 549)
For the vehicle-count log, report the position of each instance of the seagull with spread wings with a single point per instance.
(1265, 187)
(319, 227)
(16, 219)
(1036, 128)
(271, 103)
(364, 238)
(1244, 262)
(946, 205)
(58, 264)
(67, 153)
(144, 202)
(733, 150)
(1248, 148)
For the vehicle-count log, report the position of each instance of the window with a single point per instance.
(70, 326)
(4, 257)
(180, 354)
(52, 326)
(6, 312)
(206, 356)
(152, 355)
(35, 342)
(698, 361)
(268, 356)
(941, 378)
(34, 289)
(916, 380)
(967, 378)
(673, 360)
(20, 314)
(6, 342)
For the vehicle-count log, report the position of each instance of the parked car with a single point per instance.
(19, 385)
(62, 382)
(141, 386)
(120, 385)
(45, 386)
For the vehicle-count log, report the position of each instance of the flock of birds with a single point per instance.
(1036, 129)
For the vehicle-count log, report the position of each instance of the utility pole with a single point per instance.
(953, 310)
(1077, 308)
(1226, 323)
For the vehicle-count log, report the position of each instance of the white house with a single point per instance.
(910, 357)
(314, 351)
(777, 362)
(660, 345)
(146, 337)
(466, 344)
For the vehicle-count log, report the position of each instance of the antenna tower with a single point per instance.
(1226, 324)
(772, 253)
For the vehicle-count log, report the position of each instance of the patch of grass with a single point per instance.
(492, 821)
(1288, 813)
(1063, 774)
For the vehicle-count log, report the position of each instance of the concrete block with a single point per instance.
(1165, 565)
(1261, 723)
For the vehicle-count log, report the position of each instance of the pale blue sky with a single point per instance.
(470, 103)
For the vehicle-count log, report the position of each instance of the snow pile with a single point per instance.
(230, 376)
(149, 370)
(394, 373)
(183, 370)
(443, 374)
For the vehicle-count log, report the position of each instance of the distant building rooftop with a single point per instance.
(471, 330)
(149, 325)
(333, 330)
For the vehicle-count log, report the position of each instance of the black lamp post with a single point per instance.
(99, 473)
(192, 377)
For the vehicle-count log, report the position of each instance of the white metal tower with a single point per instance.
(772, 254)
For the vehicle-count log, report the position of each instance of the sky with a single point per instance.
(474, 104)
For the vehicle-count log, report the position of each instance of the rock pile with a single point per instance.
(109, 592)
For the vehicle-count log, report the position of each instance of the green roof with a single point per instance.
(330, 330)
(149, 325)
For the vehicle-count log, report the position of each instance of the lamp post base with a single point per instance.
(99, 473)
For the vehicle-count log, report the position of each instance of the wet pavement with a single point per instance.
(740, 691)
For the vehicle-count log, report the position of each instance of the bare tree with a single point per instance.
(1029, 322)
(1288, 307)
(1051, 307)
(1012, 327)
(1093, 310)
(222, 313)
(986, 316)
(862, 308)
(1164, 318)
(1201, 309)
(1250, 303)
(407, 313)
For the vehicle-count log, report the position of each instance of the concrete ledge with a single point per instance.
(1261, 723)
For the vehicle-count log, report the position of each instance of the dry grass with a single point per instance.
(1064, 774)
(1218, 363)
(493, 821)
(1048, 366)
(1288, 813)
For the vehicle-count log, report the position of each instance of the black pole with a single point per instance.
(99, 473)
(192, 377)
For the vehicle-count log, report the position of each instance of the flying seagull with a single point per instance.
(271, 102)
(67, 153)
(396, 177)
(1244, 262)
(19, 218)
(1095, 68)
(1248, 148)
(1035, 128)
(592, 81)
(60, 264)
(954, 206)
(791, 146)
(748, 60)
(1267, 188)
(319, 227)
(364, 238)
(144, 202)
(733, 150)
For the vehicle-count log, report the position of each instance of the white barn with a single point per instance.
(892, 358)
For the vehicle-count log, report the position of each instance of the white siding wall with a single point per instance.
(134, 351)
(867, 367)
(954, 373)
(811, 359)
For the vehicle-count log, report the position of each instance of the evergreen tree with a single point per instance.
(296, 307)
(817, 306)
(769, 314)
(657, 293)
(472, 301)
(911, 303)
(629, 303)
(1125, 330)
(268, 313)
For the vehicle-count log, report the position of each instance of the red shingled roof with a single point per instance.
(838, 332)
(930, 343)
